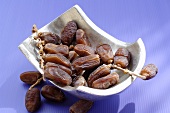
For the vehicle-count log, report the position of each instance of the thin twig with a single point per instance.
(37, 82)
(128, 72)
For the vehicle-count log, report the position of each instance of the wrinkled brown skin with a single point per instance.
(72, 55)
(101, 71)
(57, 58)
(53, 49)
(68, 33)
(49, 37)
(81, 38)
(66, 69)
(106, 81)
(87, 62)
(32, 100)
(30, 77)
(83, 50)
(81, 106)
(52, 93)
(105, 52)
(79, 81)
(123, 52)
(149, 71)
(58, 76)
(121, 61)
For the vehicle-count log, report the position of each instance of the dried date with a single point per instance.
(87, 62)
(72, 55)
(81, 106)
(66, 69)
(149, 71)
(68, 33)
(79, 81)
(123, 52)
(83, 50)
(49, 37)
(58, 76)
(52, 93)
(57, 58)
(105, 52)
(121, 61)
(101, 71)
(54, 49)
(30, 77)
(81, 38)
(32, 100)
(106, 81)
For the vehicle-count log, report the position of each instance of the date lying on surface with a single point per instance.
(81, 106)
(32, 100)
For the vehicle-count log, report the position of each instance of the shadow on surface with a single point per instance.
(129, 108)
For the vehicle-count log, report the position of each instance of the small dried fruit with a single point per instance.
(57, 58)
(121, 61)
(68, 33)
(81, 38)
(52, 93)
(149, 71)
(123, 52)
(83, 50)
(49, 37)
(81, 106)
(53, 49)
(101, 71)
(30, 77)
(72, 55)
(87, 62)
(106, 81)
(58, 76)
(105, 52)
(79, 81)
(32, 100)
(66, 69)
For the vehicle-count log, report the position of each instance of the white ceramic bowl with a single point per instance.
(96, 36)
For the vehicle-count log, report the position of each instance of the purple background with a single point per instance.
(126, 20)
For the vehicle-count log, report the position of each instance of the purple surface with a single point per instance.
(126, 20)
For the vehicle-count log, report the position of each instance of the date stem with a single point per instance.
(128, 72)
(36, 83)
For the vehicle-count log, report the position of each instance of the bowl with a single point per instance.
(96, 36)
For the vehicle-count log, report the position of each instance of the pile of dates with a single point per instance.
(71, 60)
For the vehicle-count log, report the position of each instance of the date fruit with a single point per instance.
(52, 93)
(68, 33)
(101, 71)
(30, 77)
(57, 58)
(58, 76)
(72, 55)
(81, 106)
(106, 81)
(66, 69)
(87, 62)
(81, 38)
(53, 49)
(122, 57)
(83, 50)
(49, 37)
(123, 52)
(79, 81)
(105, 52)
(33, 100)
(121, 61)
(149, 71)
